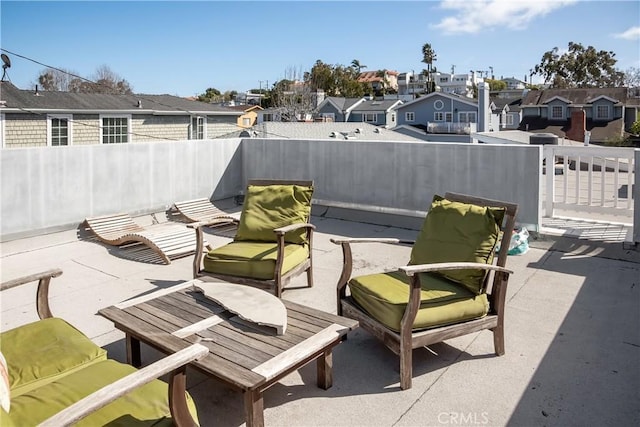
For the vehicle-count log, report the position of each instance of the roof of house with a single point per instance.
(341, 131)
(513, 103)
(377, 104)
(579, 96)
(17, 100)
(374, 76)
(340, 103)
(453, 96)
(601, 131)
(245, 107)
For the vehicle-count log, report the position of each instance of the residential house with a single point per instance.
(249, 116)
(379, 112)
(413, 84)
(513, 83)
(505, 113)
(441, 113)
(601, 114)
(336, 109)
(31, 118)
(273, 114)
(381, 81)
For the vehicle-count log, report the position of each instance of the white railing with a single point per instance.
(589, 179)
(451, 127)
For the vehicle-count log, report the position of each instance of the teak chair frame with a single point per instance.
(280, 279)
(407, 339)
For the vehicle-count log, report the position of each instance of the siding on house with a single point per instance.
(25, 116)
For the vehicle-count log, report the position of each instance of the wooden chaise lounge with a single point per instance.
(167, 240)
(200, 210)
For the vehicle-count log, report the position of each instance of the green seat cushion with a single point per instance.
(147, 405)
(385, 295)
(256, 260)
(267, 207)
(42, 351)
(459, 232)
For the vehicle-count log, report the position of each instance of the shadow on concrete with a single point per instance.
(589, 374)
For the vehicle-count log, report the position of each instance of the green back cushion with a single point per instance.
(272, 206)
(256, 260)
(459, 232)
(145, 406)
(385, 295)
(40, 352)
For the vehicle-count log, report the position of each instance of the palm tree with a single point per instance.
(355, 64)
(428, 57)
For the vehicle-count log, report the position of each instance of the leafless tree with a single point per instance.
(54, 79)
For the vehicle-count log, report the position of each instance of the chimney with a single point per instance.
(483, 107)
(577, 126)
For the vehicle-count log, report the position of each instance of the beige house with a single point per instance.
(250, 116)
(35, 119)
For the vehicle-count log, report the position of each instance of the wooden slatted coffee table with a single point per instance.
(247, 357)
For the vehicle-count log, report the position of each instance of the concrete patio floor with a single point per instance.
(572, 335)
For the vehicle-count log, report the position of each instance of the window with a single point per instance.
(448, 117)
(329, 117)
(370, 118)
(438, 116)
(509, 119)
(115, 129)
(467, 117)
(602, 112)
(58, 130)
(197, 127)
(267, 117)
(246, 122)
(393, 118)
(438, 105)
(410, 116)
(557, 112)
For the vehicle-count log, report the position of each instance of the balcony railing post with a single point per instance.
(549, 165)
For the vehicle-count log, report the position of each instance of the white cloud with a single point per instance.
(632, 33)
(480, 15)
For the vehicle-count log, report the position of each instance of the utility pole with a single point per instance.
(260, 94)
(453, 69)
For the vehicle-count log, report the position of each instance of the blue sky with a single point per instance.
(182, 48)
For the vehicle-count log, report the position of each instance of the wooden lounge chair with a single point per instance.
(274, 241)
(200, 210)
(446, 290)
(167, 240)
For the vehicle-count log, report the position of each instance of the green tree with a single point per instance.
(496, 84)
(429, 57)
(210, 95)
(579, 67)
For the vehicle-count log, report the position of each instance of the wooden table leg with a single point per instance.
(253, 408)
(325, 370)
(133, 351)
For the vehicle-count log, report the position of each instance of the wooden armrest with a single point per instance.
(113, 391)
(410, 270)
(341, 240)
(42, 294)
(288, 228)
(49, 274)
(216, 221)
